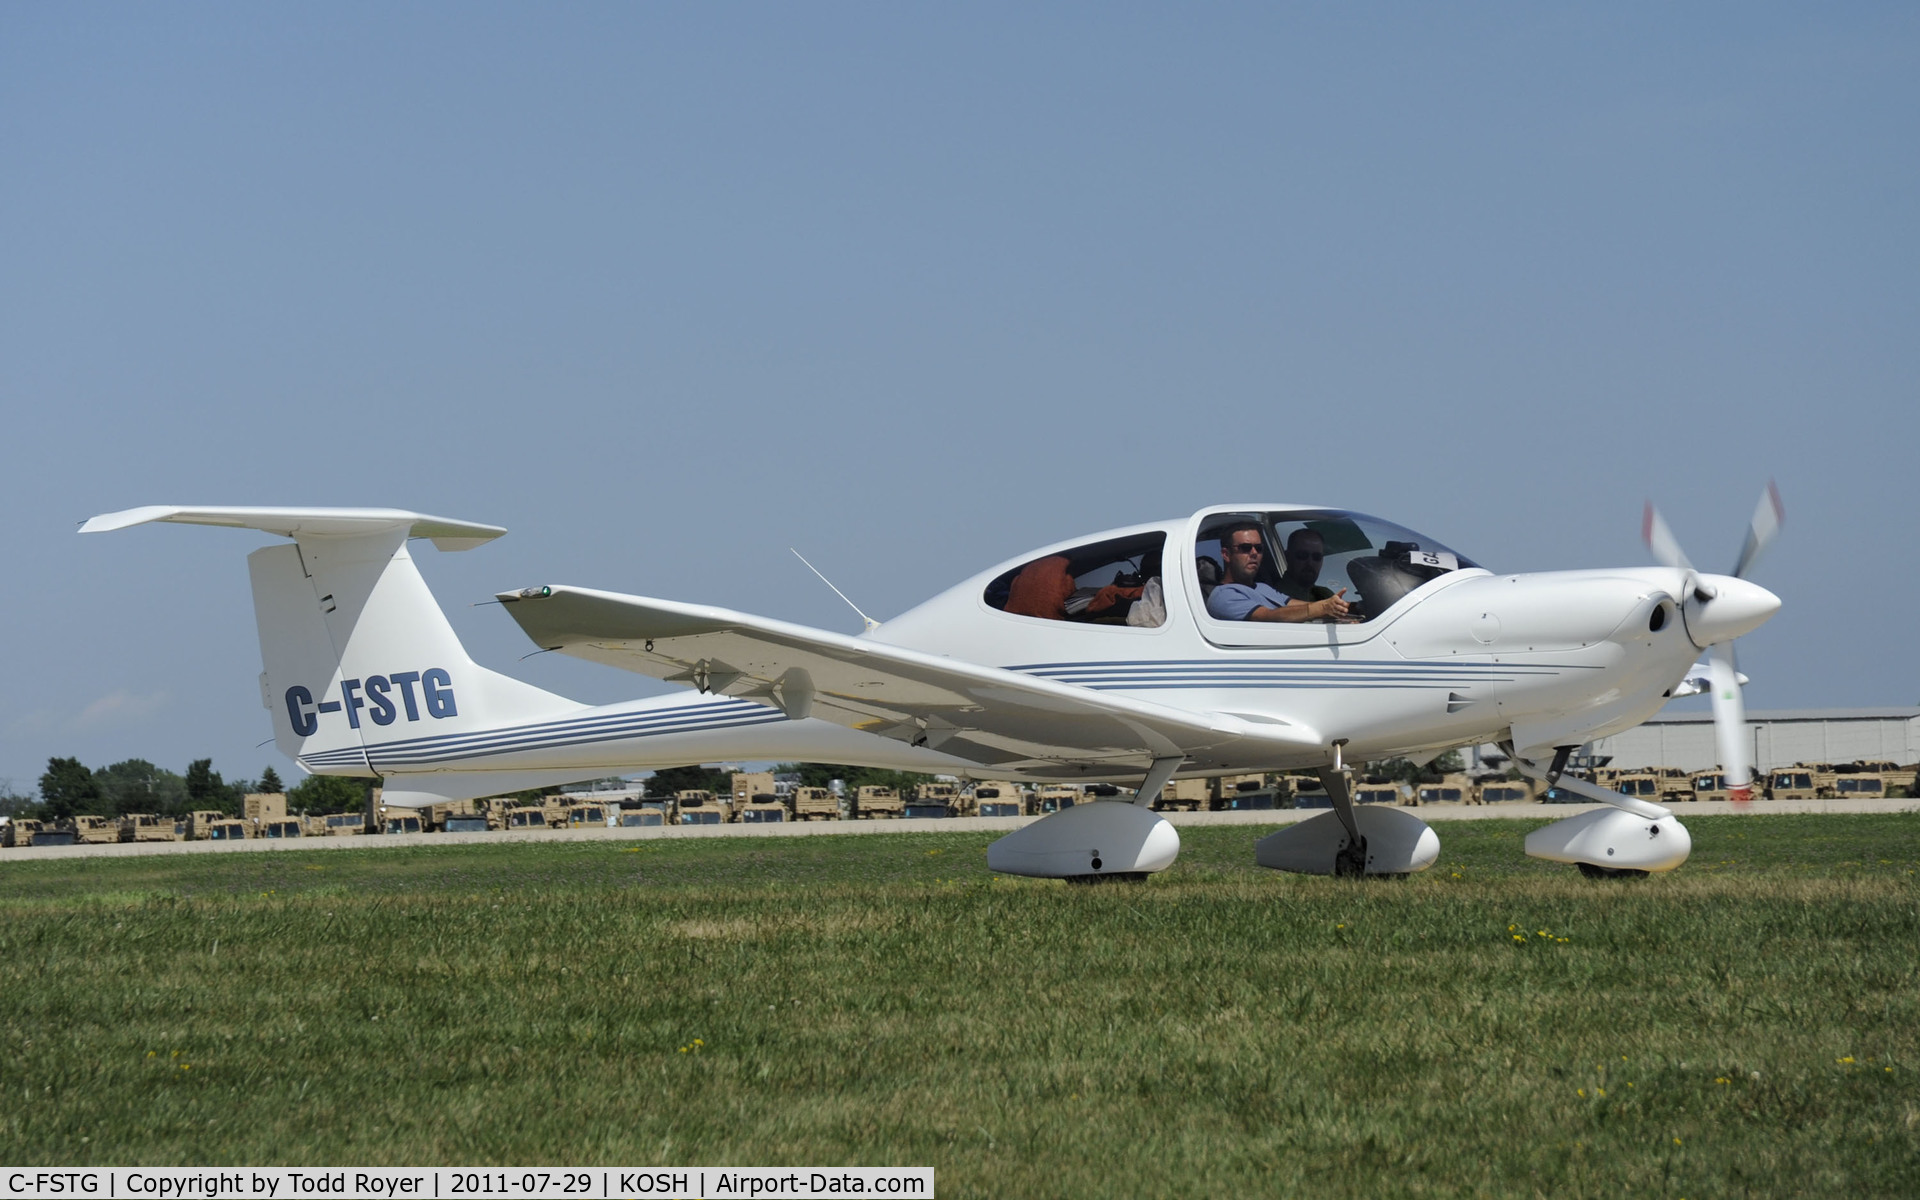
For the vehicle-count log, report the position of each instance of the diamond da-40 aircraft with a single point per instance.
(1095, 660)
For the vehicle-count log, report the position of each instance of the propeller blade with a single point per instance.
(1730, 725)
(1767, 519)
(1660, 540)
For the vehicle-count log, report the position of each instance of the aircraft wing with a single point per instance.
(998, 718)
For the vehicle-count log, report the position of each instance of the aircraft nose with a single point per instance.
(1737, 606)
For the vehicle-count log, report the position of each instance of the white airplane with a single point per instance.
(1095, 660)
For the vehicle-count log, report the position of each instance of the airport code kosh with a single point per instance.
(395, 1183)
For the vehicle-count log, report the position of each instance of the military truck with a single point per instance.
(639, 813)
(342, 824)
(93, 830)
(1710, 785)
(587, 814)
(525, 816)
(1232, 793)
(398, 820)
(456, 816)
(196, 823)
(1790, 783)
(697, 807)
(748, 784)
(1054, 797)
(877, 803)
(229, 829)
(1867, 780)
(1455, 787)
(20, 831)
(1375, 790)
(146, 827)
(999, 800)
(815, 804)
(1642, 784)
(933, 800)
(1498, 789)
(1184, 795)
(50, 835)
(263, 806)
(761, 808)
(283, 827)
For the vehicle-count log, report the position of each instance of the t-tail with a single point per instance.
(359, 658)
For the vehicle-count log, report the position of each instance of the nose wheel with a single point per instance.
(1350, 861)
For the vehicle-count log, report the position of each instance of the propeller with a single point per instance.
(1717, 611)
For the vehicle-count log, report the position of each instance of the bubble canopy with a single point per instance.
(1314, 552)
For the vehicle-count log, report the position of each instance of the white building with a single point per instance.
(1780, 738)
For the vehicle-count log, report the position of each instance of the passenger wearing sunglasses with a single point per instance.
(1306, 552)
(1242, 597)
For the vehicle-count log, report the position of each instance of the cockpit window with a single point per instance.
(1311, 554)
(1115, 582)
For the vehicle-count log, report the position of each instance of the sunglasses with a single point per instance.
(1246, 548)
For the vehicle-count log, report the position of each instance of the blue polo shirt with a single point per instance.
(1236, 601)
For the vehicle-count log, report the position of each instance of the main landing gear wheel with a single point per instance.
(1591, 871)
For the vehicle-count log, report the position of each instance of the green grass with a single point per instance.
(1750, 1023)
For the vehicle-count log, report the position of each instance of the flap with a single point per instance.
(994, 717)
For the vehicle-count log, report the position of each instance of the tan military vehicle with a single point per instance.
(264, 806)
(1237, 792)
(641, 813)
(342, 824)
(1498, 789)
(1185, 795)
(748, 784)
(146, 827)
(456, 816)
(1791, 783)
(1054, 797)
(1644, 784)
(398, 820)
(933, 800)
(92, 830)
(1455, 787)
(1868, 780)
(281, 827)
(1710, 785)
(1380, 791)
(697, 807)
(1000, 800)
(229, 829)
(877, 803)
(61, 834)
(761, 808)
(815, 804)
(20, 831)
(196, 823)
(588, 814)
(525, 816)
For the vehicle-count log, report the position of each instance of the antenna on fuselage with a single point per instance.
(871, 623)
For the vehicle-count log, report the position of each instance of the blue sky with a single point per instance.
(668, 289)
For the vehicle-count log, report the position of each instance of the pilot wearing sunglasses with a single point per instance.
(1242, 597)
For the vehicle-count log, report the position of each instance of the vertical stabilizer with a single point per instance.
(357, 653)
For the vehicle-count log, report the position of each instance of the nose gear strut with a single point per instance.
(1350, 861)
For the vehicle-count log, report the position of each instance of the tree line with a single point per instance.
(69, 788)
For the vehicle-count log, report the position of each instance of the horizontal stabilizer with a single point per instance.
(306, 522)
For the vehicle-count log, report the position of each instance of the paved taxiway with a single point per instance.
(1430, 812)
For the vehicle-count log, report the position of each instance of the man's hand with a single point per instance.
(1334, 606)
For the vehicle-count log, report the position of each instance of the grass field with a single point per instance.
(1749, 1024)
